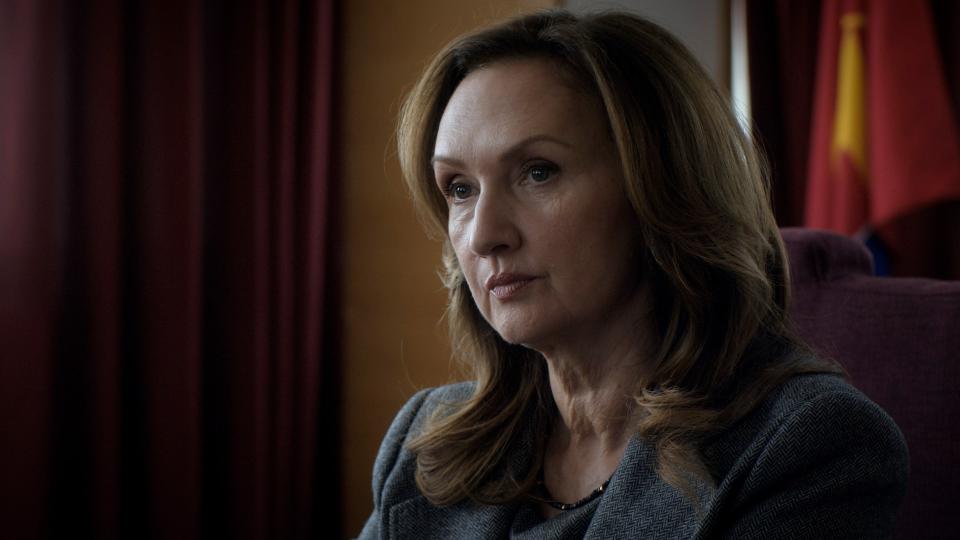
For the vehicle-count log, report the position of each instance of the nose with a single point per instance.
(494, 229)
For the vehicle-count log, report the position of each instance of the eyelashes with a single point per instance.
(540, 172)
(457, 190)
(536, 172)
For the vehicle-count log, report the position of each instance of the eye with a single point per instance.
(540, 172)
(459, 190)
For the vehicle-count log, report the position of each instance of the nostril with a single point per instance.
(499, 248)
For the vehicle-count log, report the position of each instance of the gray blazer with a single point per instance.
(817, 459)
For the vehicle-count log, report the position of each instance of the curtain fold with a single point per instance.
(167, 237)
(782, 42)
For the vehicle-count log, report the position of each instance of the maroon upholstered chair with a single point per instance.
(898, 339)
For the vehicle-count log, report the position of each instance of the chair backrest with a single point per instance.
(898, 339)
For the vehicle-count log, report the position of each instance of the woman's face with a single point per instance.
(538, 218)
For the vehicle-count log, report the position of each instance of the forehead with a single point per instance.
(510, 100)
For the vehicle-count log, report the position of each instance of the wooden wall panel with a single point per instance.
(394, 341)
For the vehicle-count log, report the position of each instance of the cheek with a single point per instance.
(594, 239)
(459, 242)
(575, 228)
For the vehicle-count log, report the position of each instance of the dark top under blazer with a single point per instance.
(816, 459)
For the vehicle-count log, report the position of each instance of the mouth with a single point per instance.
(506, 285)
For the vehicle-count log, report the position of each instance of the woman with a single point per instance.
(618, 286)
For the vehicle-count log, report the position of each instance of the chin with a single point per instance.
(526, 327)
(524, 336)
(513, 340)
(510, 334)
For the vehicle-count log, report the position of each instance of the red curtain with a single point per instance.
(783, 43)
(168, 361)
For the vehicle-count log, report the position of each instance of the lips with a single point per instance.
(507, 285)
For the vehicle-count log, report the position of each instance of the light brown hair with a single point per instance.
(713, 254)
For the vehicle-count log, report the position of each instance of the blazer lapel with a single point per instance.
(418, 518)
(638, 504)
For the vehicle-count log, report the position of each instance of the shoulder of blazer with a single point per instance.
(817, 456)
(400, 510)
(406, 425)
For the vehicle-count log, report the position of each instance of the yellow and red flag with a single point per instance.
(883, 139)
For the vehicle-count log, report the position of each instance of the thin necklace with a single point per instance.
(553, 503)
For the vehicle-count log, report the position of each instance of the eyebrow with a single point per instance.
(510, 153)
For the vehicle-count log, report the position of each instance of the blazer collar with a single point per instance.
(638, 504)
(417, 517)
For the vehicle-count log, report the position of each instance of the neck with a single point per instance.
(593, 380)
(594, 374)
(594, 396)
(593, 387)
